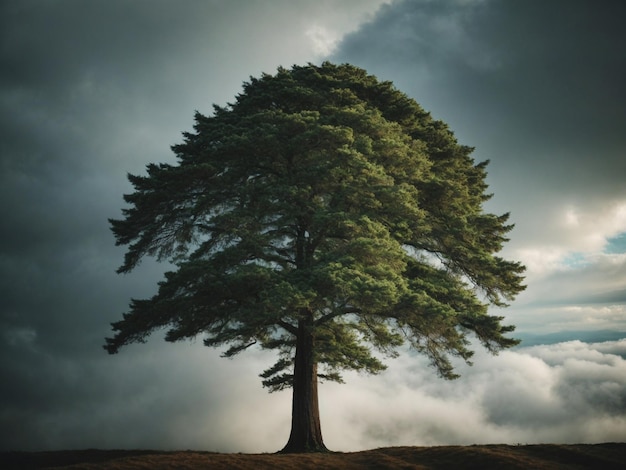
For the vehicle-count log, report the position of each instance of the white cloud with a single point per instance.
(327, 22)
(561, 393)
(551, 319)
(579, 232)
(540, 261)
(592, 287)
(595, 225)
(570, 392)
(323, 41)
(573, 281)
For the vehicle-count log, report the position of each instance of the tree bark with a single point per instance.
(306, 431)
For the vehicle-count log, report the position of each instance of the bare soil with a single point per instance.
(552, 456)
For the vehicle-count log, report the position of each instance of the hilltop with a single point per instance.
(548, 456)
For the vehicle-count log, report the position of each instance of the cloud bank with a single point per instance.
(568, 392)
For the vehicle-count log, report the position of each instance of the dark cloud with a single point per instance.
(88, 92)
(536, 86)
(77, 84)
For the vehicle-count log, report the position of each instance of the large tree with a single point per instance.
(326, 215)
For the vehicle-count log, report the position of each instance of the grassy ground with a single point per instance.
(597, 456)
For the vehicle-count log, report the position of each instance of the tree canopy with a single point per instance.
(323, 213)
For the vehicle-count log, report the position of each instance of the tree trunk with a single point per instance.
(306, 432)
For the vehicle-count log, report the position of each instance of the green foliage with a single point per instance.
(320, 194)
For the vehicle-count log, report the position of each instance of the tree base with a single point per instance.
(304, 449)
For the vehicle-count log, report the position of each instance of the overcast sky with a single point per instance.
(91, 90)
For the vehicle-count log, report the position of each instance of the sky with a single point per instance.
(91, 91)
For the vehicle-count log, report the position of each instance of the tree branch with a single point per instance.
(335, 313)
(287, 326)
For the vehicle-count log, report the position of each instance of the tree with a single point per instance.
(327, 216)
